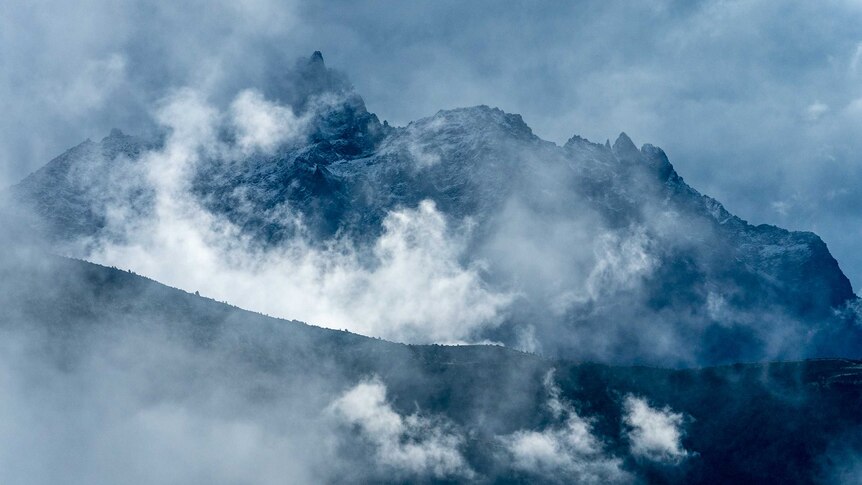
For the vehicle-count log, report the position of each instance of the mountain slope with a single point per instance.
(167, 349)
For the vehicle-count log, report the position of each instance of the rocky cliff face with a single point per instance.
(605, 251)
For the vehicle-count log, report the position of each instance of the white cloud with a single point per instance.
(717, 307)
(567, 452)
(412, 444)
(781, 207)
(423, 156)
(263, 125)
(816, 110)
(526, 340)
(570, 451)
(654, 434)
(622, 261)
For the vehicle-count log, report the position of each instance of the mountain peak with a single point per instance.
(581, 142)
(624, 148)
(476, 120)
(658, 160)
(308, 78)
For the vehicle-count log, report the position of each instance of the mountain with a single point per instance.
(202, 386)
(602, 251)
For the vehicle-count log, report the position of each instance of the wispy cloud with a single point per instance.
(566, 450)
(654, 434)
(412, 445)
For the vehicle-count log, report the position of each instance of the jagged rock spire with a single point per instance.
(625, 149)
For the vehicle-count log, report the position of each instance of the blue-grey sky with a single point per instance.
(758, 103)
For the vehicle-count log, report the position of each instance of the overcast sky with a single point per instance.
(757, 103)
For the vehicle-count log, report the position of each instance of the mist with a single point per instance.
(243, 172)
(120, 383)
(107, 376)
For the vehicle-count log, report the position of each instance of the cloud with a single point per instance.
(97, 83)
(654, 434)
(622, 261)
(262, 125)
(102, 415)
(566, 451)
(781, 207)
(413, 445)
(526, 340)
(414, 287)
(816, 110)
